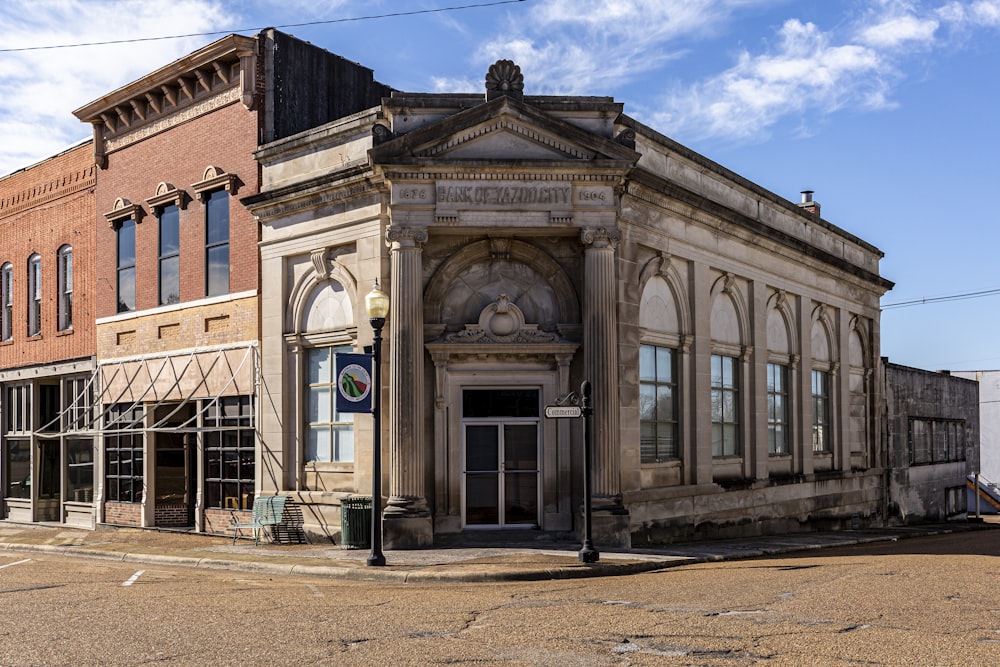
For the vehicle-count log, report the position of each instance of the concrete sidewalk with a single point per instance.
(485, 563)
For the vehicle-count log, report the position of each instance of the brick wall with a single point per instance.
(123, 514)
(42, 208)
(168, 516)
(217, 521)
(225, 138)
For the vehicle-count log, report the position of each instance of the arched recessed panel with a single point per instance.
(820, 342)
(328, 308)
(657, 308)
(856, 350)
(777, 333)
(725, 321)
(479, 285)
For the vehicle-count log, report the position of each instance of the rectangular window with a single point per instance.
(658, 439)
(170, 254)
(65, 279)
(123, 441)
(17, 464)
(725, 406)
(777, 409)
(77, 399)
(329, 434)
(126, 266)
(821, 411)
(6, 302)
(80, 471)
(229, 453)
(936, 441)
(17, 408)
(217, 243)
(34, 295)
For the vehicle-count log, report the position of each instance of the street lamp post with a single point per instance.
(377, 305)
(588, 554)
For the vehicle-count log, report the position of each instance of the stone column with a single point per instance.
(407, 522)
(600, 345)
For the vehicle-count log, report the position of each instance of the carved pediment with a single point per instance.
(501, 129)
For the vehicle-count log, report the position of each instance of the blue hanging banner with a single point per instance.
(354, 382)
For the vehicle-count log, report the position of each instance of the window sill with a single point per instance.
(65, 332)
(330, 466)
(780, 456)
(672, 463)
(9, 341)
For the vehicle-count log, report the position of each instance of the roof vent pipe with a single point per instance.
(807, 196)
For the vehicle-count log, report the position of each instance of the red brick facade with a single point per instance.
(42, 208)
(224, 138)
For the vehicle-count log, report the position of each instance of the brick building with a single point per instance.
(47, 311)
(177, 319)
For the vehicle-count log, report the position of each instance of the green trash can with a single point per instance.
(356, 522)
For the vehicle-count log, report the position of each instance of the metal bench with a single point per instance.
(267, 511)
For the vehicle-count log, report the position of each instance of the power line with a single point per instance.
(251, 30)
(940, 299)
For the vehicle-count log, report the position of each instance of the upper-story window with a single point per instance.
(6, 301)
(64, 262)
(125, 289)
(34, 295)
(216, 243)
(170, 254)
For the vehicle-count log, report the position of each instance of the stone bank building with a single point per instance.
(529, 243)
(174, 293)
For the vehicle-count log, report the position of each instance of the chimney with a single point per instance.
(808, 204)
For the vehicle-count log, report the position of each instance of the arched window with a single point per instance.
(35, 295)
(64, 262)
(6, 301)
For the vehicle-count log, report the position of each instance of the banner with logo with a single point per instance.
(354, 382)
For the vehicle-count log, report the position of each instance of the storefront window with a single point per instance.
(229, 453)
(123, 453)
(17, 463)
(80, 471)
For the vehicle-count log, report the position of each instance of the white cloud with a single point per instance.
(899, 31)
(589, 46)
(805, 72)
(50, 83)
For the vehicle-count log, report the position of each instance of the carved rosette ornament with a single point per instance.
(504, 78)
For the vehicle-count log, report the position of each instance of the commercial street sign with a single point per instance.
(562, 411)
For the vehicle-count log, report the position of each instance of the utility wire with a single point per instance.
(287, 25)
(940, 299)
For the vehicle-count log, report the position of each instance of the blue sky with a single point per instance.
(887, 109)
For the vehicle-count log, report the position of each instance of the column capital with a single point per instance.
(600, 237)
(399, 236)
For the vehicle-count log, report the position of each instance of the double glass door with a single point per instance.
(500, 431)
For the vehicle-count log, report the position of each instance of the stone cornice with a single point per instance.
(655, 191)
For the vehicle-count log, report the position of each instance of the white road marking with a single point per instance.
(15, 563)
(315, 591)
(131, 580)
